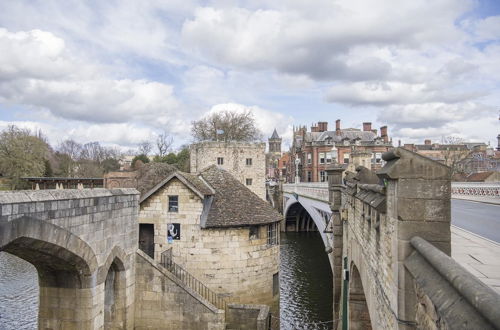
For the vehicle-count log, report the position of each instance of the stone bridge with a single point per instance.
(389, 242)
(83, 245)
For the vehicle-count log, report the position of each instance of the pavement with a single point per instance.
(480, 199)
(478, 255)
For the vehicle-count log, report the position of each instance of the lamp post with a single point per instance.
(297, 162)
(335, 154)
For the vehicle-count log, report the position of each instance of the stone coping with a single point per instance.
(263, 309)
(478, 294)
(27, 196)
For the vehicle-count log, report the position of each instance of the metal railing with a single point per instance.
(190, 281)
(489, 189)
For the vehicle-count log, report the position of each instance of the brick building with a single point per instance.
(318, 148)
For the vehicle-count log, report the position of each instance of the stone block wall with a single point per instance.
(226, 259)
(74, 237)
(163, 302)
(204, 154)
(247, 317)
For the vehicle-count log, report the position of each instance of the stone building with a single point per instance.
(245, 161)
(216, 229)
(273, 156)
(315, 149)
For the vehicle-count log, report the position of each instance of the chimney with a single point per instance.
(498, 139)
(427, 142)
(399, 143)
(367, 127)
(383, 134)
(314, 128)
(323, 126)
(337, 127)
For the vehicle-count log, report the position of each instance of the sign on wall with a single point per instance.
(173, 232)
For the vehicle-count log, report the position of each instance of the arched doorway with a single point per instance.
(65, 265)
(359, 317)
(114, 296)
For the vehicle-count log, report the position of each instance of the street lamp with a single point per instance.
(335, 154)
(297, 163)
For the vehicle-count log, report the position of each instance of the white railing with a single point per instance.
(486, 189)
(316, 190)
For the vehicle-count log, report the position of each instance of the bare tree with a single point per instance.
(163, 143)
(226, 126)
(144, 147)
(453, 151)
(71, 148)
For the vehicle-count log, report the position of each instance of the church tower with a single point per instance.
(275, 143)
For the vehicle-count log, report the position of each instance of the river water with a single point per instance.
(18, 293)
(305, 286)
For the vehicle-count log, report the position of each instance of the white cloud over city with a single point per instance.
(119, 72)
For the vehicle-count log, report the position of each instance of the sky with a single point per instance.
(122, 72)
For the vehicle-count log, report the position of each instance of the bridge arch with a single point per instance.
(66, 268)
(319, 212)
(359, 315)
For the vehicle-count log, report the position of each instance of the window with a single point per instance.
(249, 161)
(309, 158)
(321, 157)
(322, 176)
(272, 234)
(378, 157)
(173, 203)
(346, 158)
(309, 176)
(276, 284)
(328, 157)
(249, 182)
(254, 232)
(220, 161)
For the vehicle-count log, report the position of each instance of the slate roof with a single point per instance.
(233, 204)
(350, 134)
(226, 201)
(275, 135)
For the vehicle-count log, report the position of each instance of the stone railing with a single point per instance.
(315, 190)
(485, 189)
(459, 298)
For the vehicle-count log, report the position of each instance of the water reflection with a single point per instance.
(306, 289)
(18, 293)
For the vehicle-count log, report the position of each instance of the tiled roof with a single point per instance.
(233, 204)
(227, 202)
(479, 177)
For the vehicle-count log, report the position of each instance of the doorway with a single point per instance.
(146, 238)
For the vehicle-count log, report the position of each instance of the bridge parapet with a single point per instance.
(448, 296)
(314, 190)
(480, 189)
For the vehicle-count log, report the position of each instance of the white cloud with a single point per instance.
(37, 70)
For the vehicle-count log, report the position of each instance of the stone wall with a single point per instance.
(204, 154)
(226, 260)
(75, 239)
(164, 302)
(247, 317)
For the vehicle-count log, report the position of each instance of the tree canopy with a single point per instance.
(22, 154)
(226, 126)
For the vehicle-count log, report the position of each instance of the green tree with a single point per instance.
(110, 164)
(21, 154)
(183, 160)
(139, 158)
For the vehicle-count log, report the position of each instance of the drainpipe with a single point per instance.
(344, 295)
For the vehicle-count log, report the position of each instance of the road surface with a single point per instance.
(479, 218)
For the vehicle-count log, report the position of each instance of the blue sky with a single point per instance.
(121, 72)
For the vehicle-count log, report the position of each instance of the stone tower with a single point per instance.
(275, 143)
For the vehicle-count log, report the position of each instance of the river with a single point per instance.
(305, 286)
